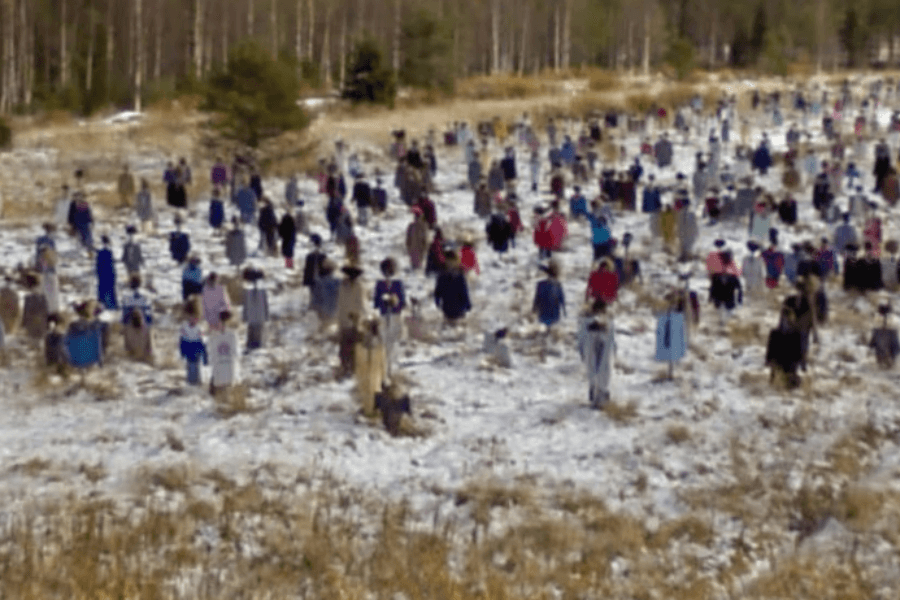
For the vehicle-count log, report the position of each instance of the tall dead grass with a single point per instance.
(263, 538)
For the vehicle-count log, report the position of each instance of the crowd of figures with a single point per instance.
(567, 185)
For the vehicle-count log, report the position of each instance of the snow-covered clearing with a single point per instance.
(717, 444)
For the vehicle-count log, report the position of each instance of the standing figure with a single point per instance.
(125, 187)
(390, 300)
(549, 299)
(417, 239)
(106, 276)
(144, 207)
(256, 309)
(215, 300)
(224, 354)
(191, 346)
(597, 345)
(451, 292)
(287, 231)
(350, 310)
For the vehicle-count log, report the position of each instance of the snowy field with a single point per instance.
(716, 443)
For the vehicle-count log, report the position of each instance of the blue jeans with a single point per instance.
(193, 372)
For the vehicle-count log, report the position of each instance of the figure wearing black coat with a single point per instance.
(287, 230)
(784, 351)
(723, 289)
(499, 232)
(312, 267)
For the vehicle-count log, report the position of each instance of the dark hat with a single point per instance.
(130, 229)
(752, 246)
(352, 271)
(719, 243)
(252, 274)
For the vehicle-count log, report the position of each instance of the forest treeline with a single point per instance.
(84, 54)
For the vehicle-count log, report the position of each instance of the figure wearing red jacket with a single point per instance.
(603, 283)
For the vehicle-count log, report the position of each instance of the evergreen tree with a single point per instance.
(426, 44)
(256, 96)
(369, 78)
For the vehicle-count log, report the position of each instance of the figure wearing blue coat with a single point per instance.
(106, 279)
(762, 159)
(651, 201)
(179, 246)
(671, 344)
(216, 213)
(549, 301)
(451, 294)
(385, 289)
(578, 206)
(246, 201)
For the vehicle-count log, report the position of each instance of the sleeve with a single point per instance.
(401, 296)
(438, 291)
(376, 298)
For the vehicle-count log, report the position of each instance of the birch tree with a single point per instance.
(197, 39)
(298, 36)
(63, 44)
(273, 27)
(398, 19)
(326, 50)
(139, 54)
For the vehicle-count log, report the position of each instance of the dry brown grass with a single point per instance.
(234, 400)
(308, 545)
(502, 87)
(746, 333)
(677, 434)
(622, 413)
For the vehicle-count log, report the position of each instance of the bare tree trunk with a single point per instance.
(139, 54)
(326, 50)
(567, 35)
(524, 45)
(8, 10)
(312, 24)
(26, 45)
(342, 45)
(298, 39)
(63, 45)
(495, 36)
(208, 54)
(273, 25)
(157, 44)
(225, 31)
(395, 54)
(820, 34)
(556, 35)
(197, 39)
(646, 42)
(92, 44)
(251, 17)
(629, 51)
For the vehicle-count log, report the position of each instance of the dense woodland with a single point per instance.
(84, 54)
